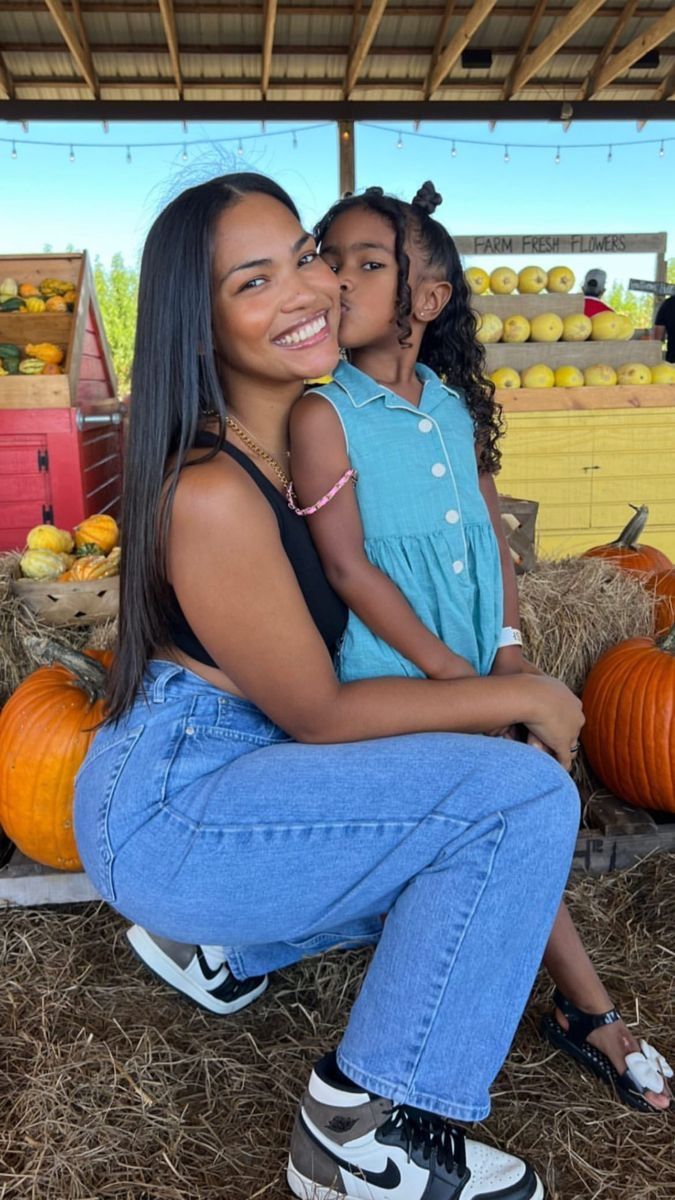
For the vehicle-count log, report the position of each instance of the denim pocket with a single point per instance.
(97, 780)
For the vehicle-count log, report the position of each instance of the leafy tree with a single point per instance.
(638, 306)
(117, 292)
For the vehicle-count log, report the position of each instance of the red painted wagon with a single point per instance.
(61, 436)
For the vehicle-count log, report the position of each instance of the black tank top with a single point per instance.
(327, 609)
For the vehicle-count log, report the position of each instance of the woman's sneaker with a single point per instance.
(349, 1144)
(197, 971)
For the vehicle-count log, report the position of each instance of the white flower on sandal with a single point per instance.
(648, 1069)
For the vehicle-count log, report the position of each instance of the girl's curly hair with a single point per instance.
(449, 344)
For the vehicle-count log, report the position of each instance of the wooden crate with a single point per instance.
(61, 436)
(572, 354)
(562, 303)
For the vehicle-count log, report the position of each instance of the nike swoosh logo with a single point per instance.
(389, 1178)
(204, 967)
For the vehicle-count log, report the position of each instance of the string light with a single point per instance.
(128, 154)
(557, 156)
(609, 154)
(24, 126)
(14, 151)
(399, 142)
(106, 126)
(662, 150)
(184, 155)
(71, 156)
(453, 152)
(295, 140)
(507, 156)
(240, 149)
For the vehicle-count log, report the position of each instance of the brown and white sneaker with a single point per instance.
(349, 1144)
(199, 972)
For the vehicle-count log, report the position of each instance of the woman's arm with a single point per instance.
(240, 595)
(318, 459)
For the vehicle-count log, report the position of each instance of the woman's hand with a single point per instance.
(556, 719)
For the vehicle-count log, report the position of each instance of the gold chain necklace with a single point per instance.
(248, 440)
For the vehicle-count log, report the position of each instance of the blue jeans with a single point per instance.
(201, 820)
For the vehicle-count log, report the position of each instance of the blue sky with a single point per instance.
(105, 204)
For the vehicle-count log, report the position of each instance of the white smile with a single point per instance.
(303, 333)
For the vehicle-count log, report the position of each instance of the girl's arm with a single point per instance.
(510, 658)
(318, 459)
(241, 597)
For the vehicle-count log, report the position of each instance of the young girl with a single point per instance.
(417, 549)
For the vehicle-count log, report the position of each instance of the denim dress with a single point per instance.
(424, 519)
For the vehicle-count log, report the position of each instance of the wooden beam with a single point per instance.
(534, 20)
(666, 90)
(347, 182)
(561, 33)
(270, 17)
(619, 26)
(77, 52)
(334, 84)
(460, 41)
(618, 63)
(169, 22)
(6, 84)
(253, 49)
(439, 42)
(370, 28)
(149, 8)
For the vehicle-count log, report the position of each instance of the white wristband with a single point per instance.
(509, 637)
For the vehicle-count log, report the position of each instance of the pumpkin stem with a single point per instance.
(90, 674)
(667, 642)
(630, 535)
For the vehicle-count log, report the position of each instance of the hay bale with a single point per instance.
(574, 609)
(17, 623)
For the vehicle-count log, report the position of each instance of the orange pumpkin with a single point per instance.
(629, 735)
(663, 583)
(99, 530)
(28, 289)
(52, 369)
(45, 730)
(627, 553)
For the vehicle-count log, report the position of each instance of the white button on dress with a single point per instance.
(452, 517)
(458, 566)
(438, 470)
(425, 425)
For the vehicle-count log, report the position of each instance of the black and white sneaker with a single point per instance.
(348, 1144)
(197, 971)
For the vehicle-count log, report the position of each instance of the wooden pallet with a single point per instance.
(618, 837)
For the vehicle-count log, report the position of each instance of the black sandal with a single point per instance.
(647, 1070)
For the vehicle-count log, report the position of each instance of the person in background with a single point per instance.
(593, 288)
(664, 326)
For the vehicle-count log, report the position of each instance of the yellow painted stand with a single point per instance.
(587, 453)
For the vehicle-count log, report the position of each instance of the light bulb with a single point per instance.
(184, 155)
(453, 152)
(240, 149)
(14, 150)
(609, 154)
(295, 140)
(71, 156)
(662, 150)
(507, 156)
(128, 154)
(557, 156)
(399, 142)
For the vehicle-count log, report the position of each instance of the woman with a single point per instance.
(239, 795)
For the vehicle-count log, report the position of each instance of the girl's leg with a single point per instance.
(572, 971)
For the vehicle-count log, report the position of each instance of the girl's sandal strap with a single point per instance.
(582, 1023)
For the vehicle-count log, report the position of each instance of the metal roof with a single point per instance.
(575, 51)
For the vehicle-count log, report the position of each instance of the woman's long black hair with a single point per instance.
(449, 344)
(174, 385)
